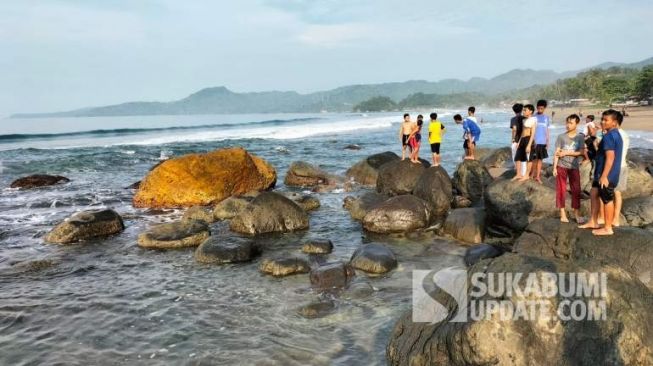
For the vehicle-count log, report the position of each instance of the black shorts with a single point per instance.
(605, 193)
(520, 154)
(404, 140)
(435, 148)
(466, 144)
(539, 152)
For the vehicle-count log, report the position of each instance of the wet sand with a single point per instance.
(639, 118)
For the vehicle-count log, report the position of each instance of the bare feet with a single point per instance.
(523, 179)
(516, 177)
(588, 225)
(602, 232)
(538, 179)
(564, 219)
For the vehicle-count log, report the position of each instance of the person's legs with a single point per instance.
(529, 169)
(574, 185)
(609, 216)
(618, 202)
(594, 209)
(561, 192)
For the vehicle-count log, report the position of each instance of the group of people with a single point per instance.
(410, 135)
(604, 147)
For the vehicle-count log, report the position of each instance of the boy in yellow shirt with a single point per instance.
(436, 130)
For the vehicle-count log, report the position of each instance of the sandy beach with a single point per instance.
(639, 118)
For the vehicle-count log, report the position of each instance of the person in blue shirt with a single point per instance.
(606, 174)
(471, 132)
(539, 151)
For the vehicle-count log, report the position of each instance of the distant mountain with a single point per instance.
(222, 100)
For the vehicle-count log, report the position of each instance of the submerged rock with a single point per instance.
(303, 174)
(204, 179)
(280, 267)
(471, 179)
(38, 180)
(625, 337)
(173, 235)
(466, 224)
(318, 309)
(358, 207)
(434, 186)
(374, 258)
(270, 212)
(86, 225)
(230, 207)
(226, 250)
(398, 214)
(318, 247)
(366, 171)
(398, 177)
(199, 213)
(332, 275)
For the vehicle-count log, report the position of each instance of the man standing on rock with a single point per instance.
(606, 174)
(623, 174)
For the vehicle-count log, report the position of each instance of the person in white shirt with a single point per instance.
(623, 174)
(525, 143)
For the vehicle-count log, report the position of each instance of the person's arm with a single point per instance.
(514, 132)
(548, 134)
(401, 135)
(530, 142)
(555, 161)
(609, 161)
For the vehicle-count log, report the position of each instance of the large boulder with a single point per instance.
(511, 206)
(303, 174)
(641, 158)
(174, 235)
(358, 207)
(629, 248)
(38, 180)
(270, 212)
(398, 177)
(434, 186)
(639, 182)
(398, 214)
(86, 225)
(536, 337)
(498, 158)
(219, 250)
(638, 211)
(466, 224)
(204, 179)
(374, 258)
(471, 179)
(366, 171)
(230, 207)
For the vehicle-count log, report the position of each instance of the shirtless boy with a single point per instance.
(405, 130)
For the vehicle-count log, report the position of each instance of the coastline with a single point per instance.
(639, 118)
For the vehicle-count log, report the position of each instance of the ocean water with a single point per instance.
(110, 302)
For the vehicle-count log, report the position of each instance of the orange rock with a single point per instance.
(204, 179)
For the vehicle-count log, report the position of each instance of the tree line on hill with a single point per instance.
(604, 86)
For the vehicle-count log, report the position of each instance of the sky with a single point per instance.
(65, 54)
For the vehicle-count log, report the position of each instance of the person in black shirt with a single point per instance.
(516, 125)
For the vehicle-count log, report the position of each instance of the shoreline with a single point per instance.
(639, 118)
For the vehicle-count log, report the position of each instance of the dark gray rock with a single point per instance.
(199, 213)
(280, 267)
(374, 258)
(331, 275)
(638, 211)
(479, 252)
(471, 179)
(270, 212)
(434, 186)
(358, 207)
(86, 225)
(466, 224)
(303, 174)
(174, 235)
(221, 250)
(398, 177)
(229, 208)
(318, 309)
(398, 214)
(38, 180)
(318, 247)
(366, 171)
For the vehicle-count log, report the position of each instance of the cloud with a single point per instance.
(336, 35)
